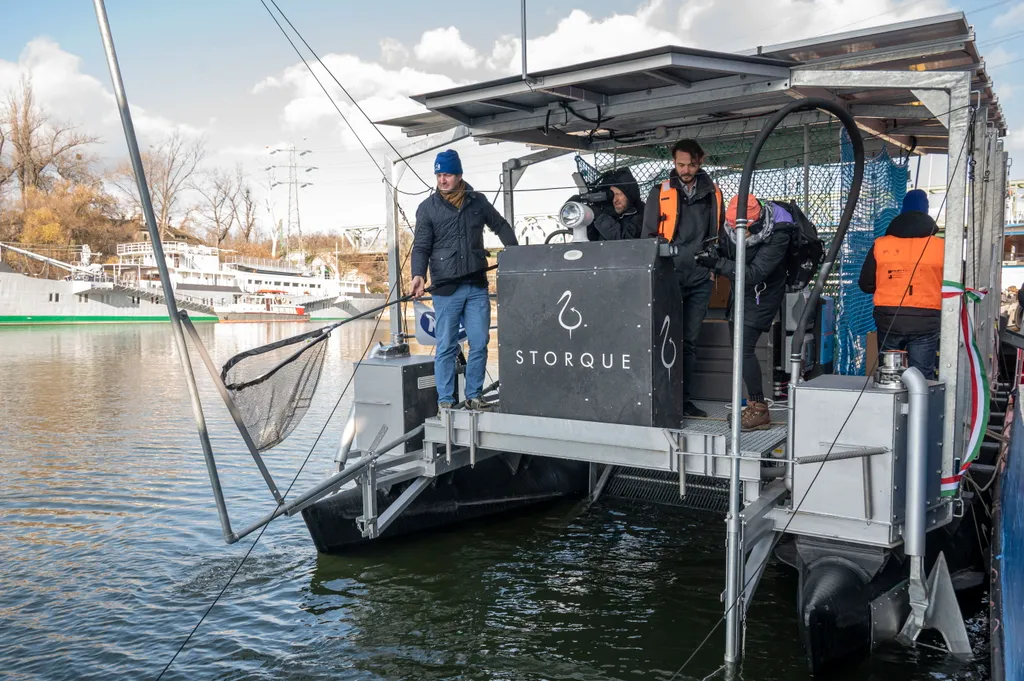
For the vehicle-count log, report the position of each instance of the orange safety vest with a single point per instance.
(668, 205)
(896, 259)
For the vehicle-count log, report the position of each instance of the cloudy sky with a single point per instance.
(222, 69)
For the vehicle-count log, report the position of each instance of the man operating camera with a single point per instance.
(618, 209)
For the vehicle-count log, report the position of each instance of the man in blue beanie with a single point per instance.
(915, 200)
(450, 239)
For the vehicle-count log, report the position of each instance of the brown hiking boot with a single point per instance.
(755, 417)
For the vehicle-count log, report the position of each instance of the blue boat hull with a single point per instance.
(1007, 575)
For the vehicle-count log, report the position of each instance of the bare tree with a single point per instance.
(169, 168)
(218, 209)
(6, 168)
(245, 210)
(41, 151)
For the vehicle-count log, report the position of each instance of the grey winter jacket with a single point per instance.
(697, 222)
(451, 240)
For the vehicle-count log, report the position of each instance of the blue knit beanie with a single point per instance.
(448, 162)
(916, 199)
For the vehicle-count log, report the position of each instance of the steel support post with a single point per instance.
(229, 402)
(951, 348)
(1000, 168)
(393, 227)
(161, 264)
(512, 171)
(522, 42)
(508, 184)
(997, 220)
(734, 549)
(976, 173)
(990, 259)
(807, 168)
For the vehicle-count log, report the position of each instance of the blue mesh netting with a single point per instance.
(885, 184)
(828, 179)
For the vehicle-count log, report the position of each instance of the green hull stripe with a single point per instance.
(84, 319)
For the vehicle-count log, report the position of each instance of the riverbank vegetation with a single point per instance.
(57, 195)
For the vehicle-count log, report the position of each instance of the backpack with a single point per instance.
(806, 249)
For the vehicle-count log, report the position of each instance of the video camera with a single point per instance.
(588, 194)
(592, 197)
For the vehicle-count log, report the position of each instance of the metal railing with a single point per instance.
(180, 247)
(273, 263)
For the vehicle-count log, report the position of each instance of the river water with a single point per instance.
(110, 550)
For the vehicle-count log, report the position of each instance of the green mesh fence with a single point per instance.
(819, 187)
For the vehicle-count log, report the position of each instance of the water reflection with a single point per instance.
(112, 550)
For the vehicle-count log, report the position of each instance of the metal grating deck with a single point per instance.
(717, 423)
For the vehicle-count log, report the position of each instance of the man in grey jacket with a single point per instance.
(449, 236)
(686, 210)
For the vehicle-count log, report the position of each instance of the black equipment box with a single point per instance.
(591, 331)
(712, 375)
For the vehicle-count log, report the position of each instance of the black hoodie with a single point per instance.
(609, 225)
(914, 321)
(697, 222)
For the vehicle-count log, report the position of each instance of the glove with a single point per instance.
(710, 261)
(705, 259)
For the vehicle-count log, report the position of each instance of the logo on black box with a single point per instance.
(564, 302)
(570, 319)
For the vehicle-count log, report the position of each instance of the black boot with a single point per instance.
(692, 410)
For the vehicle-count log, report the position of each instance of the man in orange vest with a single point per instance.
(686, 209)
(903, 270)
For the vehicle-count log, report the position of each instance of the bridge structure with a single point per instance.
(366, 239)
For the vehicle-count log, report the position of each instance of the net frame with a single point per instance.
(272, 405)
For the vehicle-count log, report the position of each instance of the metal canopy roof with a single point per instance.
(652, 97)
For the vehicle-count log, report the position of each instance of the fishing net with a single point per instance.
(273, 385)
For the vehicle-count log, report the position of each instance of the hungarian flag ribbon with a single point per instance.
(979, 382)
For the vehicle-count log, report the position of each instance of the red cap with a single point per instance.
(753, 210)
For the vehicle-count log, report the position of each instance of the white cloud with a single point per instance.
(393, 52)
(722, 26)
(443, 57)
(579, 37)
(1011, 18)
(505, 50)
(380, 91)
(66, 94)
(267, 83)
(446, 46)
(1015, 142)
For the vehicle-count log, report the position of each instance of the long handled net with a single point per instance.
(273, 385)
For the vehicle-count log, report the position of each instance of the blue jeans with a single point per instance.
(695, 307)
(922, 350)
(471, 306)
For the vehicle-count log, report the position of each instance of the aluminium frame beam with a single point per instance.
(576, 78)
(512, 171)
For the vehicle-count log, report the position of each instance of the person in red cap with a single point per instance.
(770, 228)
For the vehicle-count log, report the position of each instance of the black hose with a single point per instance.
(557, 232)
(851, 200)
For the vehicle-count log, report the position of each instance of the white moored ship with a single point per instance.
(212, 284)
